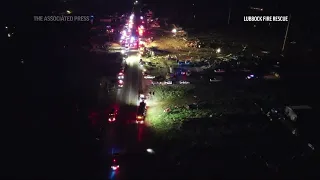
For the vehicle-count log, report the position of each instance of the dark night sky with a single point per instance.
(210, 13)
(301, 10)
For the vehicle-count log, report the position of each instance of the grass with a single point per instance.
(170, 44)
(171, 93)
(175, 98)
(161, 65)
(177, 47)
(168, 122)
(159, 61)
(172, 97)
(223, 100)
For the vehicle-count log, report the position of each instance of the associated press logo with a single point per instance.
(61, 18)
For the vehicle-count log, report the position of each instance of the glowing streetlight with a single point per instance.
(218, 50)
(69, 12)
(174, 30)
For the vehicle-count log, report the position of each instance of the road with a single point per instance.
(124, 135)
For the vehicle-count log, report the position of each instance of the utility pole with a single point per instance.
(286, 35)
(229, 16)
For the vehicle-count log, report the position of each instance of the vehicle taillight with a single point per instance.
(115, 167)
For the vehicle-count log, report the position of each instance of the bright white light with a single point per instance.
(6, 27)
(218, 50)
(141, 17)
(123, 51)
(150, 151)
(133, 59)
(114, 167)
(9, 35)
(132, 39)
(122, 37)
(149, 77)
(124, 32)
(130, 26)
(174, 30)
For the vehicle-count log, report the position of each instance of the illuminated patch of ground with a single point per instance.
(161, 65)
(159, 61)
(177, 48)
(174, 98)
(173, 45)
(222, 100)
(166, 122)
